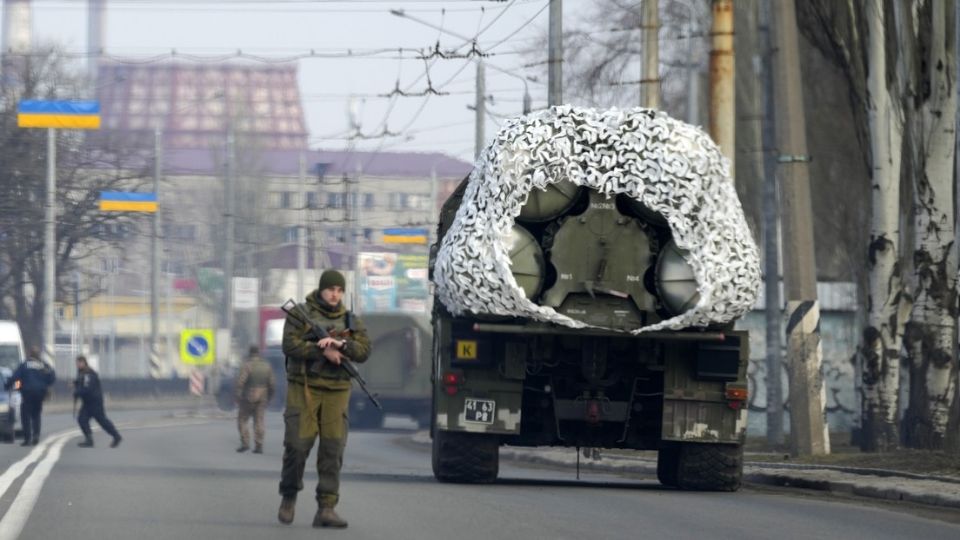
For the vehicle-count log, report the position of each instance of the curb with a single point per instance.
(871, 483)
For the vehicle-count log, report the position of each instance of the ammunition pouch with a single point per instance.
(309, 368)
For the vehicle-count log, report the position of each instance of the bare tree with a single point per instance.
(83, 170)
(927, 45)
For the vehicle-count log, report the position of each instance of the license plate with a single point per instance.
(480, 411)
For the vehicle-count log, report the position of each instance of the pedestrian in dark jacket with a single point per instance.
(87, 388)
(35, 377)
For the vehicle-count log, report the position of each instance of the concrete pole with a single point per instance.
(96, 30)
(302, 227)
(771, 244)
(155, 257)
(693, 77)
(555, 55)
(78, 311)
(50, 249)
(722, 81)
(228, 257)
(808, 429)
(480, 111)
(650, 81)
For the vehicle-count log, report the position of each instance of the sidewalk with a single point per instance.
(874, 483)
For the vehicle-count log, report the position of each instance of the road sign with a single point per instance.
(404, 236)
(246, 293)
(197, 346)
(127, 201)
(37, 113)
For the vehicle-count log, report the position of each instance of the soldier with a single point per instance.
(254, 389)
(87, 388)
(35, 377)
(317, 397)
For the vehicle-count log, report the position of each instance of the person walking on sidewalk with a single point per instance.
(317, 397)
(35, 377)
(253, 391)
(87, 388)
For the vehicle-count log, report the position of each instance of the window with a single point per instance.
(286, 199)
(368, 200)
(335, 200)
(290, 234)
(313, 199)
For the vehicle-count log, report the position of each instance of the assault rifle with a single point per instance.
(315, 332)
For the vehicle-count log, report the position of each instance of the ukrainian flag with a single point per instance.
(404, 236)
(35, 113)
(127, 201)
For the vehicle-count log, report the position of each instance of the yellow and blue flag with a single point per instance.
(404, 236)
(127, 201)
(36, 113)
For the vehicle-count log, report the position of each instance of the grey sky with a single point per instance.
(137, 28)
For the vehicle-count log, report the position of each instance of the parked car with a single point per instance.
(9, 407)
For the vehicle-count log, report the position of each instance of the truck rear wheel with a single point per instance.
(708, 467)
(468, 458)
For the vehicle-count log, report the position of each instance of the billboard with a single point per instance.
(391, 282)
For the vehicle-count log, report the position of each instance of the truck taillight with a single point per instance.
(736, 397)
(737, 393)
(451, 382)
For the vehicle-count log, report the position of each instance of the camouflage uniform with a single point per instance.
(254, 389)
(317, 399)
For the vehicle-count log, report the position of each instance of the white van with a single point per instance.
(11, 354)
(11, 345)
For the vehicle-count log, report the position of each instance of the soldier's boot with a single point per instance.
(327, 517)
(243, 448)
(287, 507)
(86, 443)
(116, 441)
(258, 449)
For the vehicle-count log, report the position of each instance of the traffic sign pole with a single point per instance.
(50, 239)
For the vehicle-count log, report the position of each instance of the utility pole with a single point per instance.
(480, 110)
(302, 227)
(228, 251)
(771, 243)
(722, 81)
(650, 80)
(808, 429)
(50, 248)
(555, 55)
(692, 65)
(155, 365)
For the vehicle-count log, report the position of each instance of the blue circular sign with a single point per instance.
(197, 346)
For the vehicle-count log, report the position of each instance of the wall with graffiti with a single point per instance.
(839, 338)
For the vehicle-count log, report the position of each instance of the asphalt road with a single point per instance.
(179, 477)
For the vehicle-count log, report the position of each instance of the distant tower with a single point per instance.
(16, 26)
(16, 37)
(96, 36)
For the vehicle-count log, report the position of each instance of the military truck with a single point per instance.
(603, 355)
(398, 370)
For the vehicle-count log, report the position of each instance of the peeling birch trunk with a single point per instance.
(931, 333)
(881, 337)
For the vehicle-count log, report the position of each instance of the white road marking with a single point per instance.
(22, 506)
(14, 471)
(16, 517)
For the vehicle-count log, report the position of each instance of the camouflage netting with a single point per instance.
(669, 166)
